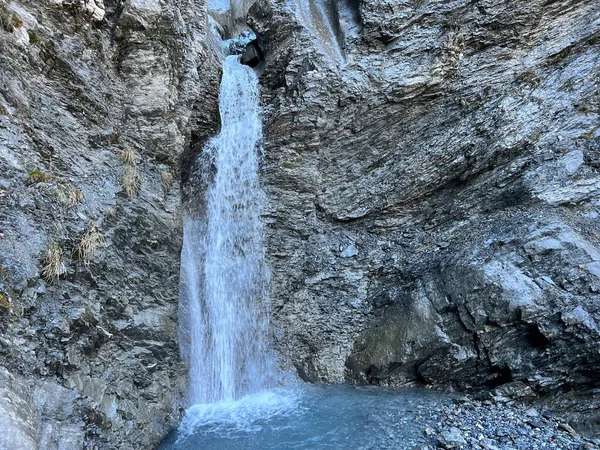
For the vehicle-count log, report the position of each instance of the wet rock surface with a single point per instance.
(253, 54)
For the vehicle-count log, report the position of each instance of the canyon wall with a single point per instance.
(432, 171)
(98, 100)
(433, 194)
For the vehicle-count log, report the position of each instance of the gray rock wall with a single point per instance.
(432, 174)
(99, 104)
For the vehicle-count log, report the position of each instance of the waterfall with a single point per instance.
(322, 17)
(224, 300)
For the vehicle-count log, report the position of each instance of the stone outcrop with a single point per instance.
(99, 102)
(433, 190)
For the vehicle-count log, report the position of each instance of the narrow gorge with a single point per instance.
(368, 199)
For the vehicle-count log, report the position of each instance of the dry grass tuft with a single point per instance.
(62, 196)
(4, 301)
(132, 181)
(129, 156)
(52, 264)
(166, 178)
(90, 243)
(70, 197)
(75, 197)
(16, 21)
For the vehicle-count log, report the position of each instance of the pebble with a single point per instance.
(488, 444)
(451, 438)
(466, 424)
(531, 412)
(535, 423)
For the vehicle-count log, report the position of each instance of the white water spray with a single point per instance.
(224, 299)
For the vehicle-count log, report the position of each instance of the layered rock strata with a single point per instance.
(433, 183)
(99, 102)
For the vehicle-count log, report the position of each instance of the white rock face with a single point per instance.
(95, 8)
(149, 5)
(16, 406)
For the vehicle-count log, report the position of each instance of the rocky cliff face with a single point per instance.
(434, 190)
(432, 174)
(98, 100)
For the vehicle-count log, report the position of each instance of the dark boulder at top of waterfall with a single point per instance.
(254, 53)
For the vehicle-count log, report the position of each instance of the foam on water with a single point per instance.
(312, 417)
(231, 417)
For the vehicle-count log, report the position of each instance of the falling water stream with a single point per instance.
(224, 299)
(234, 401)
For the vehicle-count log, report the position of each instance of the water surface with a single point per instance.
(312, 417)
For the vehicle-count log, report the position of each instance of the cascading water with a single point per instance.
(224, 299)
(224, 319)
(322, 17)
